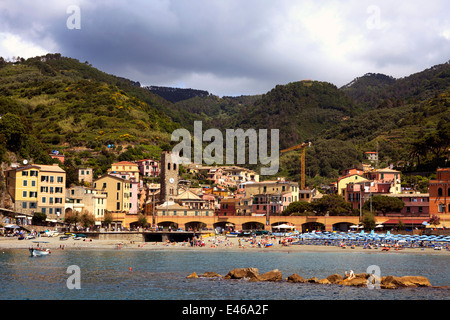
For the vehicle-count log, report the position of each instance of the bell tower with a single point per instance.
(169, 177)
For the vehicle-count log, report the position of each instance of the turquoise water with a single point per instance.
(161, 275)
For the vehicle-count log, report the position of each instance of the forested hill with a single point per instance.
(177, 94)
(58, 103)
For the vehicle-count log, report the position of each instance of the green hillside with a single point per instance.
(57, 103)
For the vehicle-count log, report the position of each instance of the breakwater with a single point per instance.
(355, 280)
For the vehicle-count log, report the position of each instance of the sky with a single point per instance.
(232, 47)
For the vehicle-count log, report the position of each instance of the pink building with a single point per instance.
(274, 204)
(148, 167)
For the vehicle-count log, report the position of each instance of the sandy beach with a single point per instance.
(219, 243)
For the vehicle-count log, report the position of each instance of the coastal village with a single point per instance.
(124, 199)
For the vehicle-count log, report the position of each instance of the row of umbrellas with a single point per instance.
(362, 238)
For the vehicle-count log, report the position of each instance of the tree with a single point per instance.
(434, 220)
(142, 221)
(385, 204)
(87, 219)
(332, 204)
(108, 219)
(14, 131)
(38, 218)
(71, 217)
(297, 208)
(368, 220)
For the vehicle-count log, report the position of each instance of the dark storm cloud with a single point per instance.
(231, 47)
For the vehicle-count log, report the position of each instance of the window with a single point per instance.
(118, 185)
(24, 205)
(33, 183)
(24, 194)
(24, 173)
(104, 185)
(185, 213)
(420, 209)
(440, 192)
(118, 206)
(175, 212)
(59, 179)
(52, 179)
(33, 194)
(25, 183)
(44, 199)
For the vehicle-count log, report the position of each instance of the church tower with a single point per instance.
(169, 177)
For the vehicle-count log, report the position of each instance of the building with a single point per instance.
(371, 155)
(22, 185)
(125, 167)
(386, 176)
(85, 175)
(439, 190)
(169, 177)
(239, 175)
(81, 199)
(227, 207)
(171, 208)
(342, 182)
(134, 192)
(38, 188)
(416, 205)
(279, 186)
(52, 192)
(117, 192)
(148, 167)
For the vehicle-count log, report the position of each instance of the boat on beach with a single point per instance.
(39, 251)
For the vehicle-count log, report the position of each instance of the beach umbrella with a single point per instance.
(12, 226)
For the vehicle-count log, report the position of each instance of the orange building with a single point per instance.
(439, 190)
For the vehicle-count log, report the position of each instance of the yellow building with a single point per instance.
(117, 192)
(126, 167)
(38, 188)
(22, 186)
(271, 187)
(342, 182)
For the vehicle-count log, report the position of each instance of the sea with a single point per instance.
(161, 275)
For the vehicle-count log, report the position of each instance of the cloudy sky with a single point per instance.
(232, 47)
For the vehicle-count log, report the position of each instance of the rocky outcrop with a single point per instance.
(193, 275)
(406, 281)
(295, 278)
(240, 273)
(274, 275)
(209, 274)
(335, 278)
(360, 279)
(313, 280)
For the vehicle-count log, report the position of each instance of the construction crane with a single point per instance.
(303, 156)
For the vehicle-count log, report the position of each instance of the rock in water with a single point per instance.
(296, 279)
(193, 275)
(335, 278)
(274, 275)
(239, 273)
